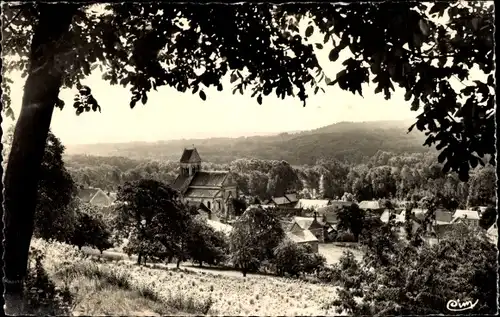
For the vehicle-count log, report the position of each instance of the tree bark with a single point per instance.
(1, 192)
(41, 92)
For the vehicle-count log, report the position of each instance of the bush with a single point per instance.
(42, 296)
(328, 274)
(295, 259)
(90, 230)
(345, 237)
(313, 262)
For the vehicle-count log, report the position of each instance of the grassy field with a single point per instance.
(103, 287)
(333, 253)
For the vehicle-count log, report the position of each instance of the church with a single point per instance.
(212, 190)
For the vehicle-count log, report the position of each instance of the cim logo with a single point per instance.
(457, 305)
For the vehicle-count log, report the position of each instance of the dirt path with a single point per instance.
(332, 254)
(188, 266)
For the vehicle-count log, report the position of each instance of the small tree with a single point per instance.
(253, 238)
(488, 217)
(204, 244)
(153, 213)
(351, 218)
(288, 257)
(90, 230)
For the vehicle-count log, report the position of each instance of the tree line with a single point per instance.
(407, 176)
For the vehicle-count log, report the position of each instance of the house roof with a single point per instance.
(306, 222)
(292, 198)
(443, 217)
(86, 194)
(482, 208)
(100, 198)
(201, 179)
(209, 179)
(329, 212)
(339, 203)
(219, 226)
(419, 213)
(303, 236)
(492, 232)
(190, 156)
(201, 193)
(280, 200)
(385, 216)
(469, 214)
(303, 222)
(312, 203)
(181, 183)
(112, 196)
(286, 225)
(369, 204)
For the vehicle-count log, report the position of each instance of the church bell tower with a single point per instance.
(190, 162)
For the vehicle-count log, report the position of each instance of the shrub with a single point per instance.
(42, 296)
(345, 237)
(328, 275)
(295, 259)
(313, 262)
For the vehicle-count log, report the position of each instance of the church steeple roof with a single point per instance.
(190, 156)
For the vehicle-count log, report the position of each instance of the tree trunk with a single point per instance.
(41, 92)
(1, 204)
(139, 257)
(178, 262)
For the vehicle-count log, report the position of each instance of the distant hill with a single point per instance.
(350, 141)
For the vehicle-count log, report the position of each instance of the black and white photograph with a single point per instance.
(170, 158)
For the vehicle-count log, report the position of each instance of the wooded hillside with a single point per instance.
(351, 142)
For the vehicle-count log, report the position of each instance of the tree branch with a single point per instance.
(5, 26)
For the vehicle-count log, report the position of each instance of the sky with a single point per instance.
(170, 114)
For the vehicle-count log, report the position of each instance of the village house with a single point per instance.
(95, 196)
(313, 224)
(470, 217)
(372, 205)
(286, 201)
(301, 236)
(328, 214)
(312, 204)
(492, 233)
(215, 189)
(441, 224)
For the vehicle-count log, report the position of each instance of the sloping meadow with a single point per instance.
(173, 291)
